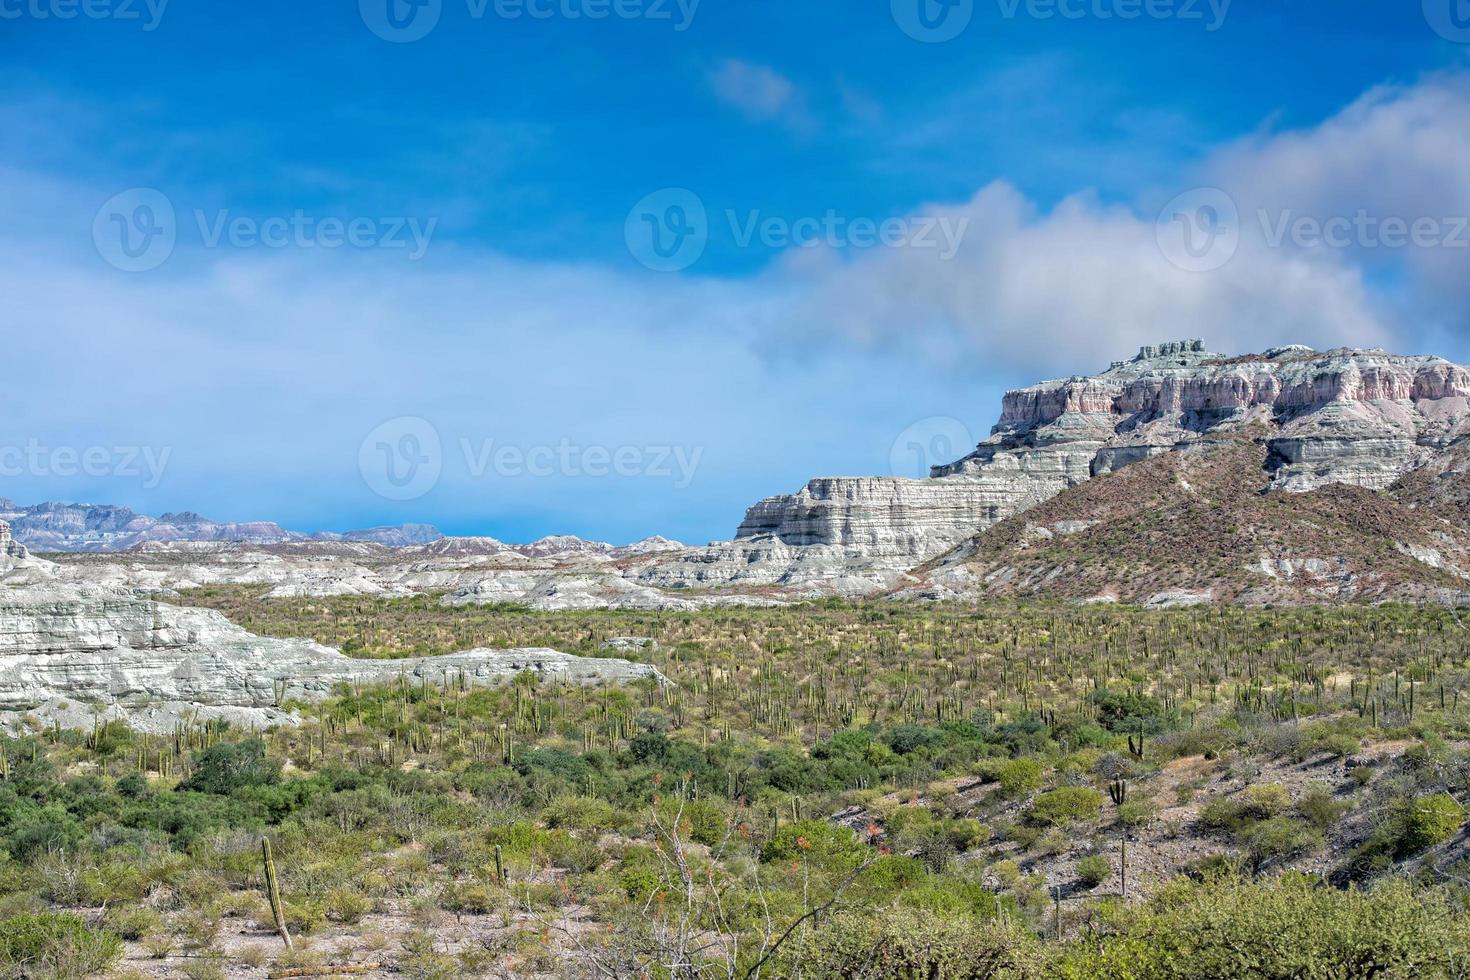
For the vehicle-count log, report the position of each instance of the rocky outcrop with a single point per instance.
(71, 654)
(1357, 417)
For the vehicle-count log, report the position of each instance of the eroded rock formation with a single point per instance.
(69, 655)
(1358, 417)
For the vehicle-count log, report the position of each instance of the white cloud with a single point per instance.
(761, 94)
(1068, 288)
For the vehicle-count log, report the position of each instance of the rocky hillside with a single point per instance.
(1203, 525)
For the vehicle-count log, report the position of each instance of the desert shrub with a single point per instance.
(1019, 776)
(904, 944)
(1320, 808)
(703, 821)
(1137, 813)
(1236, 813)
(582, 813)
(345, 906)
(1290, 928)
(1279, 838)
(467, 899)
(1066, 805)
(1094, 869)
(1265, 800)
(54, 945)
(967, 833)
(563, 850)
(304, 916)
(229, 766)
(133, 922)
(818, 841)
(1408, 827)
(639, 875)
(1131, 712)
(1428, 821)
(1221, 813)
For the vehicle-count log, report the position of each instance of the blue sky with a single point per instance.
(496, 165)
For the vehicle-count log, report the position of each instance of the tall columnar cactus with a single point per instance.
(273, 892)
(1135, 746)
(1118, 791)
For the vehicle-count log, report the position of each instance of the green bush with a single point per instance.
(229, 766)
(1293, 927)
(907, 944)
(133, 922)
(1320, 808)
(1094, 869)
(1265, 800)
(1428, 821)
(1279, 838)
(1066, 805)
(583, 813)
(345, 906)
(818, 841)
(1019, 776)
(54, 945)
(1236, 813)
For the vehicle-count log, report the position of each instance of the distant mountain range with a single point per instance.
(67, 527)
(54, 526)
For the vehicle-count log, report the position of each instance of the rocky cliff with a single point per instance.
(1358, 417)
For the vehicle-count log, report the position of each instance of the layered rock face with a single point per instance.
(1359, 417)
(67, 654)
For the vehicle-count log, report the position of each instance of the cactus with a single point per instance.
(273, 892)
(1118, 792)
(1135, 746)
